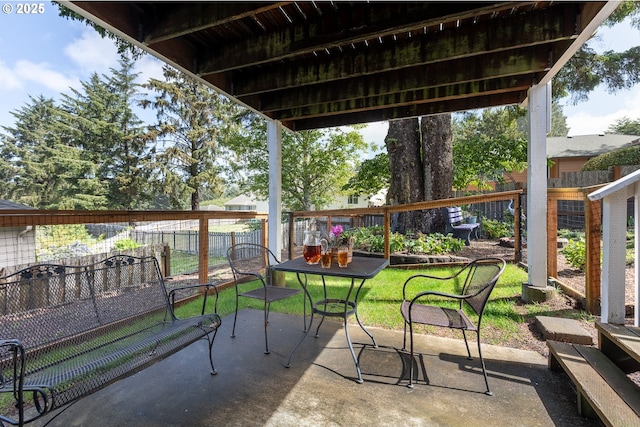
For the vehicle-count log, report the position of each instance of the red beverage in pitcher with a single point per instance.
(311, 254)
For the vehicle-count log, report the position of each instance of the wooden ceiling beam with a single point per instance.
(403, 99)
(123, 16)
(352, 24)
(415, 110)
(497, 65)
(173, 20)
(431, 48)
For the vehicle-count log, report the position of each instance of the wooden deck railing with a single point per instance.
(387, 211)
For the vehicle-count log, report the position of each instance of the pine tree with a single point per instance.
(193, 120)
(101, 123)
(47, 173)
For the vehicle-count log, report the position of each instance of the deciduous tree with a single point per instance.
(316, 164)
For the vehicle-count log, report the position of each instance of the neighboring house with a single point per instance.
(569, 153)
(17, 244)
(246, 203)
(250, 203)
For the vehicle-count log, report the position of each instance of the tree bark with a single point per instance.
(405, 166)
(421, 166)
(437, 149)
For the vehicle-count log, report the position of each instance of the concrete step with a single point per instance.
(564, 330)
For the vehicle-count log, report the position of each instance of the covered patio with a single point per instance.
(254, 389)
(310, 65)
(307, 65)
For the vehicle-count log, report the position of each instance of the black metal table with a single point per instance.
(360, 268)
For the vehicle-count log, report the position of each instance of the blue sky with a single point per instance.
(46, 55)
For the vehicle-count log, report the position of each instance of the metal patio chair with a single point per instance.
(472, 285)
(249, 261)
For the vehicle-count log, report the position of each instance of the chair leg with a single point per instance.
(410, 385)
(404, 338)
(266, 322)
(466, 343)
(484, 370)
(235, 317)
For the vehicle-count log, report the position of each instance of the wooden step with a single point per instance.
(603, 389)
(621, 344)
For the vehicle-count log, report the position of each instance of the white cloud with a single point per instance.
(149, 67)
(43, 75)
(36, 77)
(375, 132)
(92, 53)
(601, 111)
(9, 80)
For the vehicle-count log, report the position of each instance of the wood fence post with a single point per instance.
(552, 236)
(203, 250)
(517, 230)
(292, 232)
(387, 234)
(593, 226)
(166, 260)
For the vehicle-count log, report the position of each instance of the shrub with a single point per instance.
(576, 253)
(495, 229)
(371, 239)
(124, 244)
(621, 156)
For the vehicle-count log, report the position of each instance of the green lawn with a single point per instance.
(381, 296)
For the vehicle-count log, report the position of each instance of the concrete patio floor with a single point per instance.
(254, 389)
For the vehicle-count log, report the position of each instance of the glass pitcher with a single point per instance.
(311, 250)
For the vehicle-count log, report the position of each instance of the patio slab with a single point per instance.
(254, 389)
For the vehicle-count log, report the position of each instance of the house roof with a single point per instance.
(241, 200)
(321, 64)
(6, 204)
(587, 145)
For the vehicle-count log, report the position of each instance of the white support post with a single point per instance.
(614, 237)
(539, 114)
(274, 143)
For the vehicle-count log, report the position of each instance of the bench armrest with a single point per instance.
(16, 380)
(16, 349)
(208, 286)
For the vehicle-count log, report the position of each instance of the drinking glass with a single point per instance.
(343, 256)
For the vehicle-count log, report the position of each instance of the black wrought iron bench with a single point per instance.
(67, 331)
(455, 224)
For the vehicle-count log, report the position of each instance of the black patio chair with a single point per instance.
(472, 284)
(247, 261)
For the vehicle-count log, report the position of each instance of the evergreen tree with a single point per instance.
(193, 122)
(559, 125)
(625, 126)
(587, 69)
(47, 173)
(100, 121)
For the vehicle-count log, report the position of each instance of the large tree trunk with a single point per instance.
(421, 166)
(437, 149)
(405, 166)
(195, 200)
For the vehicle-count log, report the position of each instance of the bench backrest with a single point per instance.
(48, 303)
(454, 215)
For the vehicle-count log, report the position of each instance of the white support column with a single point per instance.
(614, 241)
(539, 115)
(274, 143)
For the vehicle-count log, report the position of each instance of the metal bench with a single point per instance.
(455, 225)
(67, 331)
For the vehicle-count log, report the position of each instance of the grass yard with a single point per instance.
(506, 320)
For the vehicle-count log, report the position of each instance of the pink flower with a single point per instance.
(336, 230)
